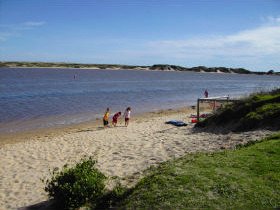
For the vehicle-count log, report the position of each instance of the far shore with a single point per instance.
(156, 67)
(120, 69)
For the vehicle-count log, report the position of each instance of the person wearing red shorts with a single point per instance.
(115, 118)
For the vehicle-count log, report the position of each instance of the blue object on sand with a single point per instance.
(177, 123)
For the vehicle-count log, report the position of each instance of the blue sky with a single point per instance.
(229, 33)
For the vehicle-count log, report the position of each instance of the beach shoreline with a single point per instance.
(125, 152)
(57, 130)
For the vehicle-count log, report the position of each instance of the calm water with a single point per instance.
(33, 98)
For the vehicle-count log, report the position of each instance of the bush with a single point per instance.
(253, 116)
(73, 187)
(270, 108)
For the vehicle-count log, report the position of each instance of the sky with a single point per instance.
(189, 33)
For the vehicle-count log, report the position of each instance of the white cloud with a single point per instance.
(254, 49)
(8, 31)
(34, 23)
(272, 20)
(261, 41)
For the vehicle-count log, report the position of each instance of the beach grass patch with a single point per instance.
(268, 109)
(265, 97)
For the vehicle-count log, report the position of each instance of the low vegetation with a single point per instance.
(76, 186)
(259, 111)
(62, 65)
(158, 67)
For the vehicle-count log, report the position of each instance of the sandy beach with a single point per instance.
(26, 157)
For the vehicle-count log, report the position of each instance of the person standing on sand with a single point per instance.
(115, 118)
(105, 118)
(206, 93)
(127, 115)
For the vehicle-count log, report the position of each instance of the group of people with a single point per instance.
(116, 116)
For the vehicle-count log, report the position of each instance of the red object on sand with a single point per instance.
(194, 120)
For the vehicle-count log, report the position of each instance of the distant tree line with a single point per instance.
(165, 67)
(158, 67)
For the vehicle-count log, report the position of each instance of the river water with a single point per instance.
(42, 97)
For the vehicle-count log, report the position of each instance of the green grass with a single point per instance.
(244, 178)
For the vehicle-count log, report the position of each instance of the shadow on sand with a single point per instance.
(45, 205)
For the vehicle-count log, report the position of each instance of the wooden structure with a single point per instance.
(223, 99)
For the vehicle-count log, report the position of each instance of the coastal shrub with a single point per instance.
(262, 97)
(253, 116)
(269, 108)
(259, 111)
(256, 98)
(72, 187)
(264, 116)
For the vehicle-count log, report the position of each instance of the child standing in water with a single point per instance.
(105, 118)
(115, 118)
(127, 115)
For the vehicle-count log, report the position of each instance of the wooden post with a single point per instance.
(214, 105)
(197, 109)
